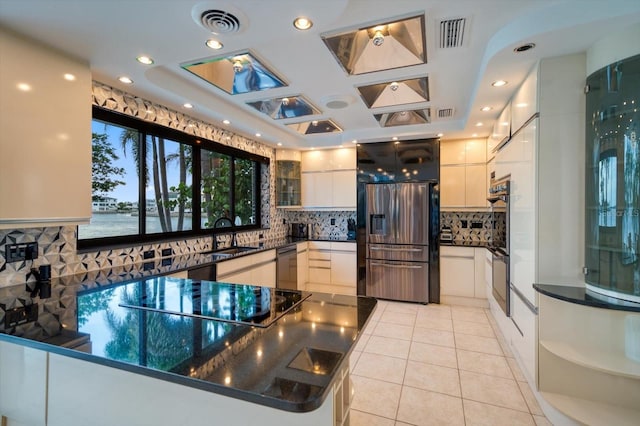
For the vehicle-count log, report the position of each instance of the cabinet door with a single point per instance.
(343, 268)
(476, 151)
(316, 160)
(343, 159)
(453, 152)
(240, 277)
(264, 275)
(344, 189)
(475, 185)
(317, 189)
(457, 276)
(452, 186)
(303, 269)
(45, 177)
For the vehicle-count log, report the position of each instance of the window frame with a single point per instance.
(146, 128)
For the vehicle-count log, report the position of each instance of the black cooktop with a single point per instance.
(233, 303)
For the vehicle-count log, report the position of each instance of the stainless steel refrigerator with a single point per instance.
(397, 238)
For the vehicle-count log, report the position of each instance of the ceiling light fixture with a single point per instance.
(124, 79)
(486, 108)
(145, 60)
(69, 77)
(394, 86)
(258, 135)
(499, 83)
(440, 135)
(237, 66)
(279, 144)
(314, 123)
(378, 38)
(24, 87)
(187, 105)
(285, 101)
(395, 138)
(524, 47)
(226, 122)
(302, 23)
(354, 141)
(214, 44)
(479, 124)
(474, 135)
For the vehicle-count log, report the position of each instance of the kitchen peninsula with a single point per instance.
(164, 350)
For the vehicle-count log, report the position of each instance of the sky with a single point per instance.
(129, 191)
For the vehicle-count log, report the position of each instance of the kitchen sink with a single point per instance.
(316, 361)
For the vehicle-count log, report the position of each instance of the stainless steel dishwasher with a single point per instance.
(287, 268)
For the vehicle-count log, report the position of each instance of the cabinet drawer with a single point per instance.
(319, 275)
(343, 246)
(319, 255)
(457, 251)
(314, 263)
(319, 245)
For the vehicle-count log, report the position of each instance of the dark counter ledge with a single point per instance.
(582, 296)
(180, 345)
(479, 244)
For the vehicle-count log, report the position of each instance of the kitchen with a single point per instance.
(61, 198)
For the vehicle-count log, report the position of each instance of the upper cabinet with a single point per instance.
(45, 136)
(288, 185)
(329, 179)
(501, 131)
(524, 103)
(463, 174)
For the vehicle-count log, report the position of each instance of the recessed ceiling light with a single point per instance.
(226, 122)
(486, 108)
(124, 79)
(474, 135)
(524, 47)
(479, 124)
(498, 83)
(187, 105)
(258, 135)
(69, 77)
(214, 44)
(440, 135)
(395, 138)
(302, 23)
(354, 141)
(279, 143)
(145, 60)
(24, 87)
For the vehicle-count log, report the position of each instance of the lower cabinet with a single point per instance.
(332, 267)
(255, 269)
(462, 275)
(303, 265)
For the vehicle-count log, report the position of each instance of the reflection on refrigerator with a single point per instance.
(398, 232)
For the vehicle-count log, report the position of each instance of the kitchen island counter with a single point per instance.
(280, 349)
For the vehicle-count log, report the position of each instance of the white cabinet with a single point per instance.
(524, 103)
(45, 136)
(332, 267)
(462, 279)
(302, 253)
(329, 179)
(255, 269)
(463, 170)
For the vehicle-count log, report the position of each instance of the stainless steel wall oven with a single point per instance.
(499, 242)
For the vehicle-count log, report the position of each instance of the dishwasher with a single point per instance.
(287, 268)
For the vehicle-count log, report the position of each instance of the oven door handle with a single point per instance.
(391, 265)
(413, 250)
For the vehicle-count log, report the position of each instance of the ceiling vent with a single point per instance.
(452, 33)
(219, 21)
(445, 113)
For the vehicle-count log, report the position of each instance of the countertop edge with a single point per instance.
(581, 296)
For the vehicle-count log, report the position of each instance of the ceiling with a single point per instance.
(110, 34)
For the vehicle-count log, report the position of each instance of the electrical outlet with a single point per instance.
(20, 315)
(149, 254)
(476, 225)
(20, 251)
(333, 222)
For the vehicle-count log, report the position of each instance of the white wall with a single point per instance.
(610, 49)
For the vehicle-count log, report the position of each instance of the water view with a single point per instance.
(115, 224)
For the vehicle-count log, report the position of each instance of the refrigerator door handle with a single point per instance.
(389, 265)
(413, 250)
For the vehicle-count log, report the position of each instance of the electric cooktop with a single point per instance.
(234, 303)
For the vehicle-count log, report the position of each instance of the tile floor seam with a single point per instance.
(377, 415)
(373, 378)
(496, 405)
(434, 391)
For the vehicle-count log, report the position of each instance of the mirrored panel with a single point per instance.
(315, 127)
(236, 74)
(387, 45)
(285, 107)
(393, 93)
(612, 219)
(404, 118)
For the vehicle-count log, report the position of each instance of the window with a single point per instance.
(143, 184)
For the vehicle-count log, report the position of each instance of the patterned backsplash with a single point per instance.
(463, 224)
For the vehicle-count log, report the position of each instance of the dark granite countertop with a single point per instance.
(583, 296)
(163, 327)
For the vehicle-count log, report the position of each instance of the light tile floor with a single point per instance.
(437, 365)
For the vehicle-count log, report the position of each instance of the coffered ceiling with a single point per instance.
(366, 70)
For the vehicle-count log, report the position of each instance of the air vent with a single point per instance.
(445, 112)
(220, 22)
(452, 33)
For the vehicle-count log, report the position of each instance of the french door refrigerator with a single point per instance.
(397, 240)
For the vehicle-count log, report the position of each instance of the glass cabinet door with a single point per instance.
(288, 183)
